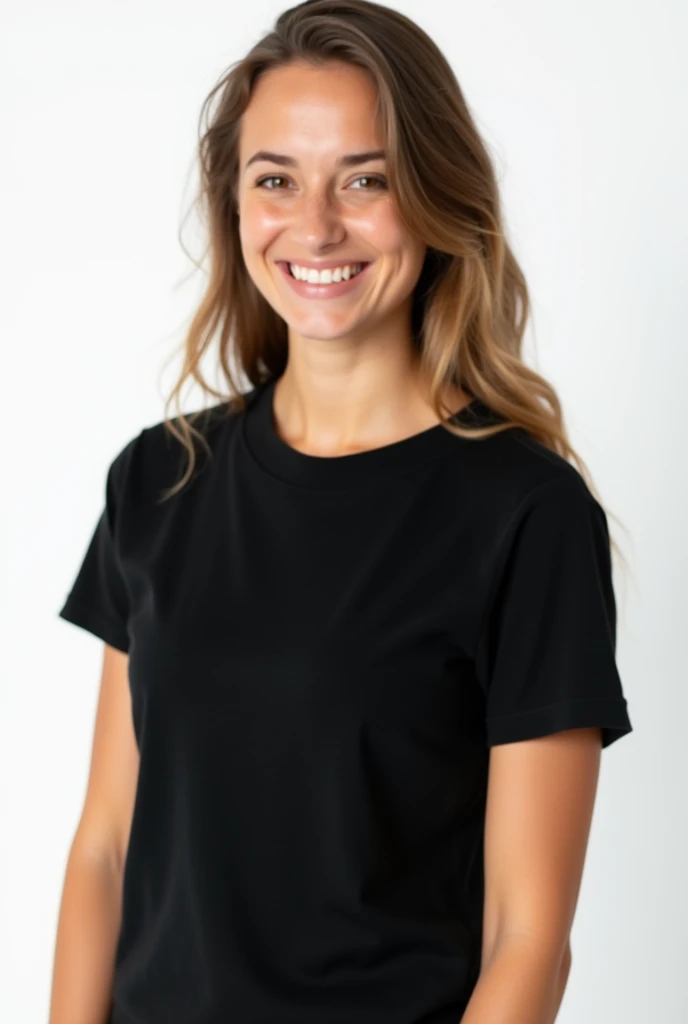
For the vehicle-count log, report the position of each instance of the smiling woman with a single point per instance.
(370, 642)
(321, 123)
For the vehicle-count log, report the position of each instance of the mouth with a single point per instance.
(327, 275)
(332, 282)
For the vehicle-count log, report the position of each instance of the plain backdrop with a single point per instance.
(583, 108)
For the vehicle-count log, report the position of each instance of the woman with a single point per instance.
(359, 659)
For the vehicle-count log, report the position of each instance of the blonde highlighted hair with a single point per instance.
(471, 303)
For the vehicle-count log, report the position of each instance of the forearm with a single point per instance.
(521, 984)
(87, 931)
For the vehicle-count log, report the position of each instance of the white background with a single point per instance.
(583, 108)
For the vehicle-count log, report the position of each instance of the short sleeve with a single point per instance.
(98, 599)
(546, 654)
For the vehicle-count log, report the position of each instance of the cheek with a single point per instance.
(258, 225)
(389, 236)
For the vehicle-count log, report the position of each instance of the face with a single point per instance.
(312, 193)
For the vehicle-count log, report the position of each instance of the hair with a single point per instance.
(470, 306)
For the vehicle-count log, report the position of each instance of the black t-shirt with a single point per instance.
(321, 652)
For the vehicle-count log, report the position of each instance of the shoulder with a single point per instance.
(505, 476)
(155, 458)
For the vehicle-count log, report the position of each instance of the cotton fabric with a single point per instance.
(321, 653)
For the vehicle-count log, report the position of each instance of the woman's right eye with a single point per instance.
(270, 177)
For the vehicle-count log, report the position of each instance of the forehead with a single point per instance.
(305, 110)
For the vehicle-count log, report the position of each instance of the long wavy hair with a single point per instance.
(471, 304)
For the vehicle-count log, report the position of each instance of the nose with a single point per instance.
(317, 222)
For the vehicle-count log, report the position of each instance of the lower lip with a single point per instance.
(322, 291)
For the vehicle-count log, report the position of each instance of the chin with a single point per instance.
(322, 331)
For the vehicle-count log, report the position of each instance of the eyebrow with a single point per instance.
(349, 160)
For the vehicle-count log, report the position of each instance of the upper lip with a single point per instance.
(324, 264)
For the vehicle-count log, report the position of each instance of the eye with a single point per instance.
(270, 177)
(380, 182)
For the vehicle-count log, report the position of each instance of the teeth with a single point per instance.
(325, 276)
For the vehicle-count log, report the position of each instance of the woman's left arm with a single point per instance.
(540, 800)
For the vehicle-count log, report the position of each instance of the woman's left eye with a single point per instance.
(369, 177)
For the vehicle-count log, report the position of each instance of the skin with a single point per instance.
(540, 801)
(352, 379)
(90, 907)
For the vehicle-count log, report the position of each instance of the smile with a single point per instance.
(329, 276)
(330, 283)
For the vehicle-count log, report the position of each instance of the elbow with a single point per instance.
(564, 972)
(566, 961)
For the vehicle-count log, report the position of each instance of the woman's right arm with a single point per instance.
(90, 909)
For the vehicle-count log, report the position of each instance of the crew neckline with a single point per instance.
(265, 446)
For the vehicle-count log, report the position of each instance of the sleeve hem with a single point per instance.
(608, 714)
(105, 629)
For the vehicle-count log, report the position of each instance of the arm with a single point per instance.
(90, 908)
(540, 801)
